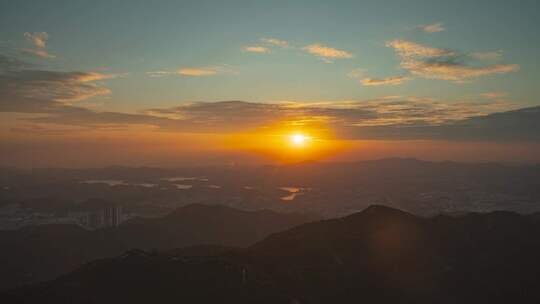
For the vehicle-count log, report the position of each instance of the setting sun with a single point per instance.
(298, 139)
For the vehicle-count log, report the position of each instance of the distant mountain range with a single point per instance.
(379, 255)
(43, 252)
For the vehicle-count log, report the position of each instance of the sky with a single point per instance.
(96, 83)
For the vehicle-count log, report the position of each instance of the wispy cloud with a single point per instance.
(159, 73)
(256, 49)
(39, 42)
(432, 28)
(349, 119)
(276, 42)
(40, 91)
(495, 55)
(509, 126)
(385, 118)
(493, 95)
(436, 63)
(37, 89)
(197, 72)
(407, 49)
(357, 73)
(193, 71)
(9, 63)
(456, 72)
(39, 53)
(56, 97)
(326, 52)
(395, 80)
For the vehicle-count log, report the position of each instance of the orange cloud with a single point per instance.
(276, 42)
(38, 39)
(396, 80)
(456, 72)
(256, 49)
(493, 95)
(436, 63)
(197, 72)
(432, 28)
(327, 52)
(407, 48)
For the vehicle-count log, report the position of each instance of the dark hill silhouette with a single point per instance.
(43, 252)
(379, 255)
(204, 224)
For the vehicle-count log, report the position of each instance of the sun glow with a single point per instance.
(287, 143)
(298, 139)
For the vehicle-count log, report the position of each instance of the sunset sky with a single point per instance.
(97, 83)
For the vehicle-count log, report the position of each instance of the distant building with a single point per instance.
(113, 216)
(108, 216)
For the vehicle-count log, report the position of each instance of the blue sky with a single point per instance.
(139, 36)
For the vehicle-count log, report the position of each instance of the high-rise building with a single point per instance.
(112, 216)
(108, 216)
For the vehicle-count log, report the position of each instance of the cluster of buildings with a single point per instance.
(109, 216)
(14, 217)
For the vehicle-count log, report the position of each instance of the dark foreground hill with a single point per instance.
(379, 255)
(44, 252)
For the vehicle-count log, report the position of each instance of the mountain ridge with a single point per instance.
(380, 254)
(43, 252)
